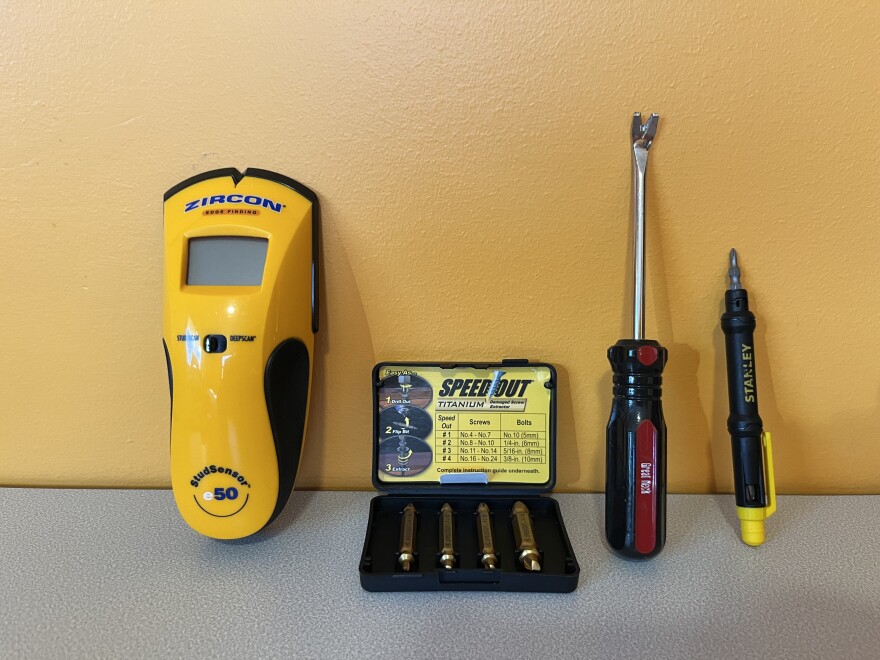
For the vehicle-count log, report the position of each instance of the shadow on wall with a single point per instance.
(686, 441)
(567, 472)
(345, 402)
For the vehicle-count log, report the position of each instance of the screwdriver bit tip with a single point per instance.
(734, 272)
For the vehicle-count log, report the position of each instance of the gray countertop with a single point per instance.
(109, 573)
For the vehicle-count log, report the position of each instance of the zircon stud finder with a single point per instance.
(240, 313)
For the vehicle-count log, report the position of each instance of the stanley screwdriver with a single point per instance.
(753, 480)
(635, 451)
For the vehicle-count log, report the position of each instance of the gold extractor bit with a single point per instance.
(407, 537)
(524, 536)
(447, 540)
(484, 533)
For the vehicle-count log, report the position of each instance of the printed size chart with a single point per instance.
(518, 438)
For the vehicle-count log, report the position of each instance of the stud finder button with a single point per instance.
(215, 343)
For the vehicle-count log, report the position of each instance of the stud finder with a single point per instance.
(240, 313)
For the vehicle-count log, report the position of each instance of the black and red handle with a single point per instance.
(635, 452)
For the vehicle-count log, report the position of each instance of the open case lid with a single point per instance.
(462, 428)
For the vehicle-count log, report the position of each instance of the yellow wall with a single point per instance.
(473, 165)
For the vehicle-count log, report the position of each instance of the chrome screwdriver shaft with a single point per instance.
(642, 138)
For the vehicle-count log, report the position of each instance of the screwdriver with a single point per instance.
(635, 451)
(752, 450)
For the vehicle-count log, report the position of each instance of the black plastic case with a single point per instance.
(379, 567)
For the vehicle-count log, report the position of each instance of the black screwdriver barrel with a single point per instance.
(635, 452)
(744, 423)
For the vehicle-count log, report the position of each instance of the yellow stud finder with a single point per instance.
(240, 313)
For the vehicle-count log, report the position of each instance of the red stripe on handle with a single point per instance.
(646, 487)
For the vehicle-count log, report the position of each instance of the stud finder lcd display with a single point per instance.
(226, 261)
(240, 313)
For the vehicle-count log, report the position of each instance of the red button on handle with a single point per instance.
(647, 355)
